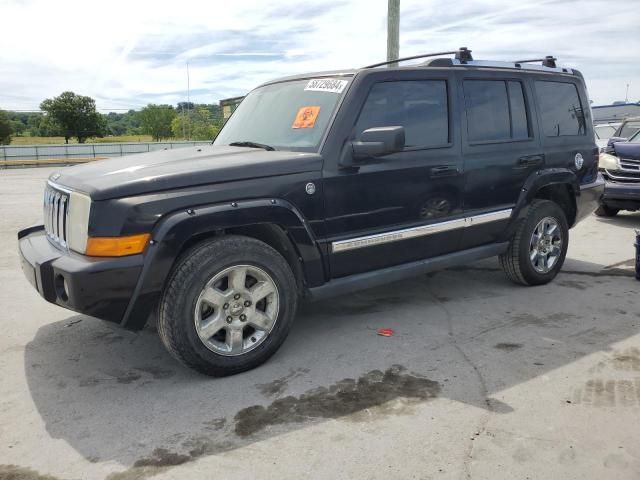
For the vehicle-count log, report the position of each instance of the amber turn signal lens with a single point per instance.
(117, 246)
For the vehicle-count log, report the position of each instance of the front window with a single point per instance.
(420, 106)
(290, 115)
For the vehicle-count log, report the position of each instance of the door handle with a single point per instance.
(530, 160)
(444, 171)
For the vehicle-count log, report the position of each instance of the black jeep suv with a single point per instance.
(319, 185)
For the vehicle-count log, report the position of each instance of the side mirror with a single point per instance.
(609, 148)
(378, 141)
(613, 140)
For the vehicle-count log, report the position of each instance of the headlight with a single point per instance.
(608, 162)
(78, 221)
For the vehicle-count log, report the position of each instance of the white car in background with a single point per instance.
(604, 132)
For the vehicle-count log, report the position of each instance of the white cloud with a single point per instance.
(128, 53)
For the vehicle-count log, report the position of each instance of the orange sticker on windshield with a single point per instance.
(306, 117)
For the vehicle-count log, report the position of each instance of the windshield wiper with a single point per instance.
(252, 145)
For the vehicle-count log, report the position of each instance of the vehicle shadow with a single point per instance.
(622, 219)
(463, 334)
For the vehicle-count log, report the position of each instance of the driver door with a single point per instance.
(404, 206)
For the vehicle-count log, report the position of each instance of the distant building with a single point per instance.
(616, 112)
(228, 106)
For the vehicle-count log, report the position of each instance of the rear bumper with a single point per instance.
(589, 199)
(100, 287)
(624, 196)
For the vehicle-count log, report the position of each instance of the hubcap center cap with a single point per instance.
(236, 309)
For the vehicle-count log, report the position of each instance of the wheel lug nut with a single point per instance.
(225, 306)
(247, 303)
(229, 319)
(236, 296)
(243, 317)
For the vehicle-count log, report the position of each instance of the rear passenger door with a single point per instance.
(500, 150)
(565, 126)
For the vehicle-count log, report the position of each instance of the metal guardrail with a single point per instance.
(16, 155)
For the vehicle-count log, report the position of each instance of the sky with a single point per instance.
(126, 54)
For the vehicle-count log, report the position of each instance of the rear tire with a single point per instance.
(604, 211)
(539, 246)
(228, 305)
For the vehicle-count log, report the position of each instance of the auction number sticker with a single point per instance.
(331, 85)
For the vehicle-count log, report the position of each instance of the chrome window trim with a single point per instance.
(420, 231)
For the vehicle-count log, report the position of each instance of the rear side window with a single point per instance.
(496, 110)
(420, 106)
(561, 110)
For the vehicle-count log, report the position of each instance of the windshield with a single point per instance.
(287, 116)
(629, 129)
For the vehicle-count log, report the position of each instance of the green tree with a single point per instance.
(155, 120)
(197, 124)
(74, 116)
(6, 128)
(18, 127)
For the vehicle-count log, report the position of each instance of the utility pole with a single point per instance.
(184, 121)
(626, 96)
(393, 30)
(188, 100)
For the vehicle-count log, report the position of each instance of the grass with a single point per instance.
(60, 140)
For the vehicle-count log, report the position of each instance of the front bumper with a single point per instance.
(589, 199)
(624, 196)
(100, 287)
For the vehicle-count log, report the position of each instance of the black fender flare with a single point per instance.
(173, 231)
(533, 184)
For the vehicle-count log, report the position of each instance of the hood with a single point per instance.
(183, 167)
(627, 150)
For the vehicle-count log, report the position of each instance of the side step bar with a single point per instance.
(362, 281)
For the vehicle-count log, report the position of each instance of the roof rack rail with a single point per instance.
(463, 55)
(548, 61)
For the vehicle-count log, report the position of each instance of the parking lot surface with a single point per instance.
(482, 379)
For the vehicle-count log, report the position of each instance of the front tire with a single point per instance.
(605, 211)
(538, 248)
(228, 305)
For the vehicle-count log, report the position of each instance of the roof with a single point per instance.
(462, 59)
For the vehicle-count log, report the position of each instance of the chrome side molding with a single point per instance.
(423, 230)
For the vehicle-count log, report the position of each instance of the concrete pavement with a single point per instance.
(483, 379)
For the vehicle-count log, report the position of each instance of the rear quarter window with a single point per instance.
(560, 108)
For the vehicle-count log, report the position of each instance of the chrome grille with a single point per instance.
(630, 165)
(56, 210)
